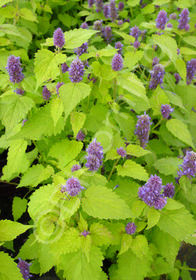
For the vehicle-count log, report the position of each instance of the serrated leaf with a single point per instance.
(9, 230)
(180, 131)
(167, 44)
(103, 71)
(132, 58)
(72, 94)
(191, 40)
(136, 150)
(181, 68)
(19, 206)
(140, 246)
(45, 257)
(77, 121)
(56, 109)
(132, 169)
(128, 39)
(168, 166)
(101, 202)
(153, 217)
(75, 38)
(126, 242)
(69, 207)
(100, 234)
(27, 14)
(29, 249)
(8, 268)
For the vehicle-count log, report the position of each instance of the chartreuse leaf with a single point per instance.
(153, 217)
(56, 109)
(27, 14)
(132, 169)
(65, 151)
(178, 223)
(13, 109)
(3, 2)
(180, 131)
(191, 40)
(8, 268)
(19, 206)
(103, 71)
(29, 249)
(77, 267)
(8, 12)
(126, 242)
(17, 161)
(101, 202)
(69, 207)
(167, 44)
(35, 175)
(132, 58)
(136, 150)
(168, 166)
(77, 121)
(181, 68)
(46, 65)
(9, 230)
(128, 39)
(72, 94)
(100, 234)
(140, 246)
(45, 258)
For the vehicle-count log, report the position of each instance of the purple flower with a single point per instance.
(121, 6)
(14, 69)
(82, 49)
(24, 121)
(143, 128)
(121, 152)
(178, 51)
(58, 86)
(169, 190)
(58, 38)
(80, 136)
(46, 93)
(93, 162)
(113, 10)
(120, 22)
(130, 228)
(95, 148)
(160, 202)
(177, 77)
(106, 10)
(24, 269)
(118, 46)
(188, 167)
(155, 61)
(107, 33)
(166, 110)
(76, 71)
(84, 25)
(136, 44)
(97, 25)
(169, 25)
(99, 5)
(85, 233)
(173, 16)
(187, 27)
(95, 156)
(75, 167)
(135, 32)
(72, 186)
(64, 67)
(191, 70)
(184, 19)
(90, 3)
(117, 62)
(157, 76)
(19, 91)
(161, 19)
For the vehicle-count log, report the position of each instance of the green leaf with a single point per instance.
(191, 40)
(72, 94)
(100, 234)
(69, 207)
(29, 249)
(101, 202)
(160, 2)
(153, 217)
(56, 109)
(180, 131)
(4, 2)
(46, 65)
(13, 109)
(8, 268)
(181, 68)
(178, 223)
(167, 44)
(27, 14)
(9, 230)
(19, 206)
(126, 242)
(77, 121)
(168, 165)
(132, 169)
(65, 151)
(128, 39)
(132, 58)
(8, 12)
(133, 3)
(35, 175)
(140, 246)
(103, 71)
(75, 38)
(17, 161)
(136, 150)
(46, 259)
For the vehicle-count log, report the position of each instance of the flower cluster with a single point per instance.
(95, 156)
(97, 25)
(72, 186)
(121, 6)
(150, 193)
(177, 77)
(106, 10)
(14, 69)
(184, 20)
(118, 46)
(107, 33)
(166, 110)
(58, 38)
(84, 25)
(82, 49)
(75, 167)
(90, 3)
(161, 20)
(121, 152)
(46, 93)
(113, 10)
(188, 167)
(99, 5)
(135, 32)
(155, 61)
(136, 44)
(157, 76)
(19, 91)
(80, 136)
(24, 269)
(76, 71)
(191, 70)
(117, 62)
(130, 228)
(142, 129)
(64, 67)
(58, 86)
(169, 190)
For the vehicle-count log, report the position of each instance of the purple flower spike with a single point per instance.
(97, 25)
(135, 32)
(24, 269)
(118, 46)
(113, 10)
(184, 19)
(90, 3)
(58, 38)
(177, 77)
(121, 152)
(46, 93)
(82, 49)
(166, 110)
(64, 67)
(143, 128)
(169, 190)
(19, 91)
(14, 69)
(157, 76)
(107, 33)
(136, 44)
(95, 156)
(160, 202)
(72, 187)
(191, 70)
(84, 25)
(75, 167)
(161, 20)
(80, 136)
(58, 86)
(117, 62)
(130, 228)
(99, 5)
(188, 168)
(106, 10)
(169, 25)
(76, 71)
(121, 6)
(155, 61)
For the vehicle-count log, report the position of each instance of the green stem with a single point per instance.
(114, 81)
(111, 172)
(186, 268)
(159, 122)
(10, 183)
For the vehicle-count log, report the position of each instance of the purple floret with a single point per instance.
(24, 269)
(14, 69)
(85, 233)
(184, 19)
(155, 61)
(90, 3)
(113, 10)
(135, 32)
(95, 156)
(75, 167)
(177, 77)
(130, 228)
(107, 33)
(121, 6)
(157, 76)
(118, 46)
(173, 16)
(191, 70)
(188, 167)
(160, 202)
(136, 44)
(166, 110)
(106, 10)
(82, 49)
(117, 62)
(19, 91)
(64, 67)
(161, 20)
(76, 71)
(169, 190)
(58, 38)
(84, 25)
(169, 25)
(121, 152)
(142, 129)
(72, 187)
(97, 25)
(99, 5)
(80, 136)
(46, 93)
(58, 86)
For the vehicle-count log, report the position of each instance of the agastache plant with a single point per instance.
(113, 10)
(14, 69)
(76, 71)
(24, 269)
(157, 75)
(95, 155)
(58, 38)
(188, 167)
(117, 62)
(161, 20)
(191, 70)
(166, 110)
(72, 187)
(143, 128)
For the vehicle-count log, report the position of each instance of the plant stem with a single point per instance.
(186, 268)
(111, 172)
(114, 81)
(159, 122)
